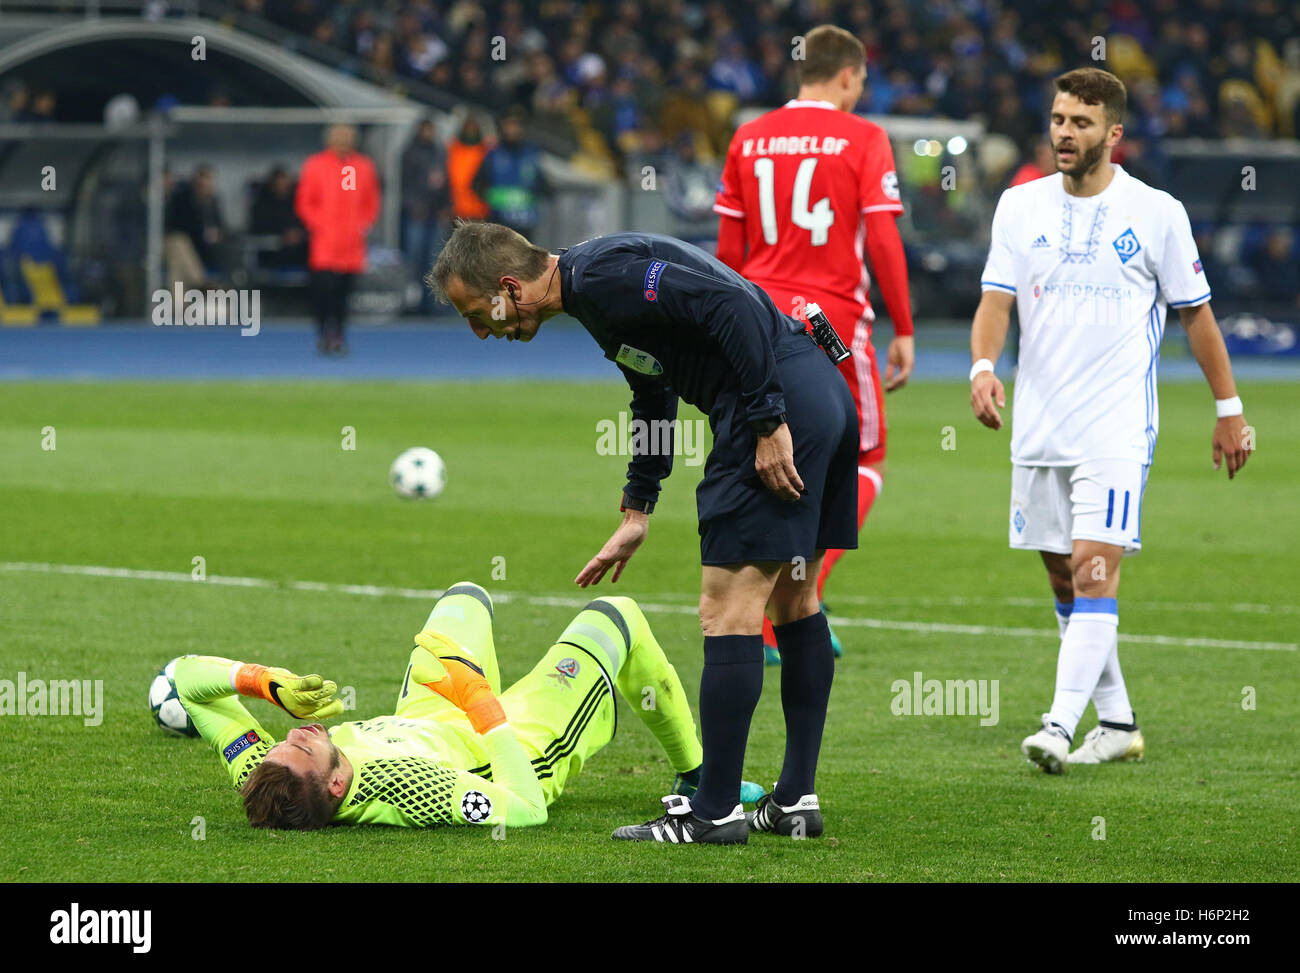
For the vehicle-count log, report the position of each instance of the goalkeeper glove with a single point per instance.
(447, 669)
(304, 697)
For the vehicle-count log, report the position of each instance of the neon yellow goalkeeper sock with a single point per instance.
(653, 689)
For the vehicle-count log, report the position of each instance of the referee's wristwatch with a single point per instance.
(765, 427)
(638, 504)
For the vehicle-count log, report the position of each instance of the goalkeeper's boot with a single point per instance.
(1106, 743)
(836, 646)
(1049, 748)
(802, 819)
(682, 826)
(749, 791)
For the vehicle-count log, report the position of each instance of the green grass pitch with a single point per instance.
(253, 478)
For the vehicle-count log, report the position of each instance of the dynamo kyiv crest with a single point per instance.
(1126, 245)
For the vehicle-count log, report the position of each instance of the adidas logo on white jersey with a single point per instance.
(1040, 242)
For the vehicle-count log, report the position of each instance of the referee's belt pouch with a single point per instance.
(793, 342)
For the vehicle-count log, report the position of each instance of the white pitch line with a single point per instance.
(1037, 632)
(570, 601)
(959, 601)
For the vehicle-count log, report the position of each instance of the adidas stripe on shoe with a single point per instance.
(803, 819)
(682, 826)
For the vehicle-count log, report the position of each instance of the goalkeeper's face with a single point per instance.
(307, 751)
(299, 783)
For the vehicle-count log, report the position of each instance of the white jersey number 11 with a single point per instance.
(817, 220)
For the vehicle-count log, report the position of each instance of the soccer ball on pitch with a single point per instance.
(419, 473)
(165, 703)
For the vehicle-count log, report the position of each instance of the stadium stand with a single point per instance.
(614, 89)
(1196, 67)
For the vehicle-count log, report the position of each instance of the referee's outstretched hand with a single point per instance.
(985, 390)
(617, 551)
(774, 461)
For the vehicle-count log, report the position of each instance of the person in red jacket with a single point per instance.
(338, 201)
(1040, 161)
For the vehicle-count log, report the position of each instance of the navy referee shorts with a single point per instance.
(740, 519)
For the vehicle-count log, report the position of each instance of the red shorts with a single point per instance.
(859, 370)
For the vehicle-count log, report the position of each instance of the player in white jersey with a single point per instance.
(1092, 258)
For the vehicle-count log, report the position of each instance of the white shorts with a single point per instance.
(1098, 500)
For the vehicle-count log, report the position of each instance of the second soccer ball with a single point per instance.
(419, 473)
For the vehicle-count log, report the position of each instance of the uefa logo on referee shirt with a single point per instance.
(652, 280)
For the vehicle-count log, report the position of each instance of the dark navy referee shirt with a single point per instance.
(678, 322)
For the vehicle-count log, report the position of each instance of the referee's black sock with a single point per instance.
(730, 685)
(807, 668)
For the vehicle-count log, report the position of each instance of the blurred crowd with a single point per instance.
(652, 86)
(473, 175)
(20, 103)
(630, 76)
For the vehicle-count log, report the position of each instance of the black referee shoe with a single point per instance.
(803, 819)
(682, 826)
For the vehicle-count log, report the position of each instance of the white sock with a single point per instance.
(1063, 617)
(1087, 644)
(1111, 695)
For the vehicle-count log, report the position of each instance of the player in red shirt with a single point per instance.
(807, 190)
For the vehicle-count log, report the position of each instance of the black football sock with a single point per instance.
(730, 685)
(691, 777)
(807, 668)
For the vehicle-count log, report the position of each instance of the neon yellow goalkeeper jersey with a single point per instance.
(406, 772)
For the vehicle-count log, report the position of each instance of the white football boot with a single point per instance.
(1105, 743)
(1049, 748)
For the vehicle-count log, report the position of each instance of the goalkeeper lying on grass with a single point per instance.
(453, 752)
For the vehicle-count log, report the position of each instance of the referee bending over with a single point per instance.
(779, 487)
